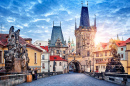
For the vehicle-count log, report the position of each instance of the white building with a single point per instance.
(45, 56)
(61, 64)
(122, 48)
(40, 43)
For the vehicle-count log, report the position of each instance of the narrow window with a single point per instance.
(35, 58)
(43, 57)
(43, 65)
(64, 51)
(57, 52)
(97, 54)
(0, 56)
(88, 53)
(60, 64)
(121, 49)
(121, 55)
(105, 53)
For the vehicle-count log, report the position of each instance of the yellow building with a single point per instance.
(34, 53)
(128, 56)
(102, 55)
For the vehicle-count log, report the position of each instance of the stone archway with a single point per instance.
(74, 66)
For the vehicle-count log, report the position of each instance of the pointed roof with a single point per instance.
(45, 48)
(118, 37)
(56, 58)
(4, 42)
(75, 24)
(84, 19)
(95, 21)
(124, 43)
(56, 34)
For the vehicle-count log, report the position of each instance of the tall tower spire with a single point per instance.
(122, 39)
(95, 21)
(118, 37)
(87, 3)
(53, 23)
(60, 23)
(75, 24)
(84, 19)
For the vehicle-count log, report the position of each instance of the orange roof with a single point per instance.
(124, 43)
(56, 58)
(118, 42)
(104, 45)
(4, 42)
(45, 48)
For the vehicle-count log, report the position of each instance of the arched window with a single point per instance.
(88, 53)
(43, 65)
(60, 64)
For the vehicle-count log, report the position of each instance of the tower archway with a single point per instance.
(74, 66)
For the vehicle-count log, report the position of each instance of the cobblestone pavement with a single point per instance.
(74, 79)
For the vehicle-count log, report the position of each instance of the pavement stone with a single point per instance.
(72, 79)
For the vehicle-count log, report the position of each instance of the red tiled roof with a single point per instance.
(4, 38)
(56, 58)
(104, 45)
(124, 43)
(118, 42)
(44, 47)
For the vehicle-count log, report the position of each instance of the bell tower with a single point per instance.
(85, 34)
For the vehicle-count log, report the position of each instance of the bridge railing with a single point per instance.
(14, 79)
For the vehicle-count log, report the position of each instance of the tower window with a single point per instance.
(121, 49)
(57, 51)
(88, 53)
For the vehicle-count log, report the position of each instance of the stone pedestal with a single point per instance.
(17, 66)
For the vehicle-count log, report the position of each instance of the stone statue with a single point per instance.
(114, 65)
(16, 58)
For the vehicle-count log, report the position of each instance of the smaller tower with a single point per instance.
(118, 37)
(75, 24)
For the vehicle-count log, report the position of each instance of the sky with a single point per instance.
(35, 18)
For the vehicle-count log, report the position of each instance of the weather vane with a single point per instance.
(82, 3)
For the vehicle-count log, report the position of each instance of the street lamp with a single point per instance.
(90, 65)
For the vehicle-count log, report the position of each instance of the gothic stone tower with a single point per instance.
(57, 45)
(85, 34)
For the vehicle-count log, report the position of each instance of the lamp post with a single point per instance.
(90, 65)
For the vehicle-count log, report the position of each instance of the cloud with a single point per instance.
(35, 17)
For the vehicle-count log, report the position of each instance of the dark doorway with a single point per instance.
(74, 67)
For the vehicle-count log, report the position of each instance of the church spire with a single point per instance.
(75, 24)
(84, 18)
(69, 40)
(95, 21)
(122, 39)
(118, 37)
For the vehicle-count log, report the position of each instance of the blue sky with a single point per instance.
(35, 17)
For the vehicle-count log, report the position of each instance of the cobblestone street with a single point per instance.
(73, 79)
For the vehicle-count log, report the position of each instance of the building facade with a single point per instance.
(102, 55)
(57, 45)
(60, 64)
(34, 53)
(85, 35)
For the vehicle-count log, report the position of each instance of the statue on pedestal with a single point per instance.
(16, 58)
(114, 65)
